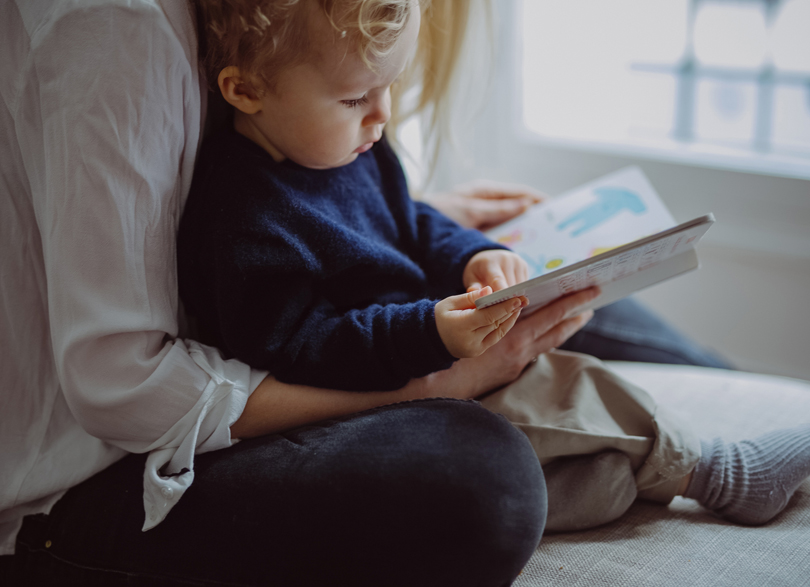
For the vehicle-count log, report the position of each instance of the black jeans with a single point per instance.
(627, 331)
(418, 494)
(437, 492)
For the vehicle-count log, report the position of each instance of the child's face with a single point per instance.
(324, 112)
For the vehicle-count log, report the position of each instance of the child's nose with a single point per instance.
(380, 113)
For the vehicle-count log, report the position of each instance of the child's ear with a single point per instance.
(237, 92)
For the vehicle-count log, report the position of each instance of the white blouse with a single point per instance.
(100, 122)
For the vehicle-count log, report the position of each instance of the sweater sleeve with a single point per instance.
(275, 311)
(445, 248)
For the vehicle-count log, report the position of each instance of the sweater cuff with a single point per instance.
(436, 342)
(424, 353)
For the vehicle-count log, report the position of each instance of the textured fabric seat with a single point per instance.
(684, 544)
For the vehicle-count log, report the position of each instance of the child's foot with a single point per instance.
(751, 481)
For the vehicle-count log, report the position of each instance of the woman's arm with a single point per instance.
(275, 406)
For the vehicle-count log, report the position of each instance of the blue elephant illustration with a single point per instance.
(610, 201)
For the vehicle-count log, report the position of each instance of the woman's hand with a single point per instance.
(484, 204)
(538, 333)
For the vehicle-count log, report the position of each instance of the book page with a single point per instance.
(597, 217)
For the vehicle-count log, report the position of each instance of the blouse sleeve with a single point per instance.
(109, 160)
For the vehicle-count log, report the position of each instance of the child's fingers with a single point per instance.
(506, 270)
(465, 301)
(492, 317)
(500, 331)
(463, 328)
(496, 277)
(517, 271)
(490, 271)
(522, 271)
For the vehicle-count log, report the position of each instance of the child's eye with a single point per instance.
(354, 103)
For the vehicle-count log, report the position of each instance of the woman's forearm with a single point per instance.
(275, 406)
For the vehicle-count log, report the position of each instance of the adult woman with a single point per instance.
(100, 125)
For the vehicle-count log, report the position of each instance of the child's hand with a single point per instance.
(468, 332)
(497, 269)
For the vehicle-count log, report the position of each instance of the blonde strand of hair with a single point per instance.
(435, 70)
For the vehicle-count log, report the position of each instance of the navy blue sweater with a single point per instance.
(322, 277)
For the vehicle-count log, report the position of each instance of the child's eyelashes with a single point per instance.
(355, 103)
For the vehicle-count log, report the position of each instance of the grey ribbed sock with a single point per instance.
(750, 481)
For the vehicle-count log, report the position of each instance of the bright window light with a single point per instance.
(791, 125)
(717, 82)
(653, 98)
(731, 34)
(576, 58)
(790, 36)
(726, 112)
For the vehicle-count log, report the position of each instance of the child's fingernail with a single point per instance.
(516, 304)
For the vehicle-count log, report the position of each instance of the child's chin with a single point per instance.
(346, 161)
(332, 164)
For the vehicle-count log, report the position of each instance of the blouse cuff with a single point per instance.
(169, 470)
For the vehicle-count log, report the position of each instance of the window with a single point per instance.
(722, 83)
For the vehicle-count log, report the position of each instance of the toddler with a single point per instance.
(301, 253)
(300, 248)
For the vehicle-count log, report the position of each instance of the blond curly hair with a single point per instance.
(262, 37)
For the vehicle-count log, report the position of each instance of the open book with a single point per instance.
(614, 232)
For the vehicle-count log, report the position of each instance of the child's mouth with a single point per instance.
(363, 148)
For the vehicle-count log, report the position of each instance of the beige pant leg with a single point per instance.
(572, 404)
